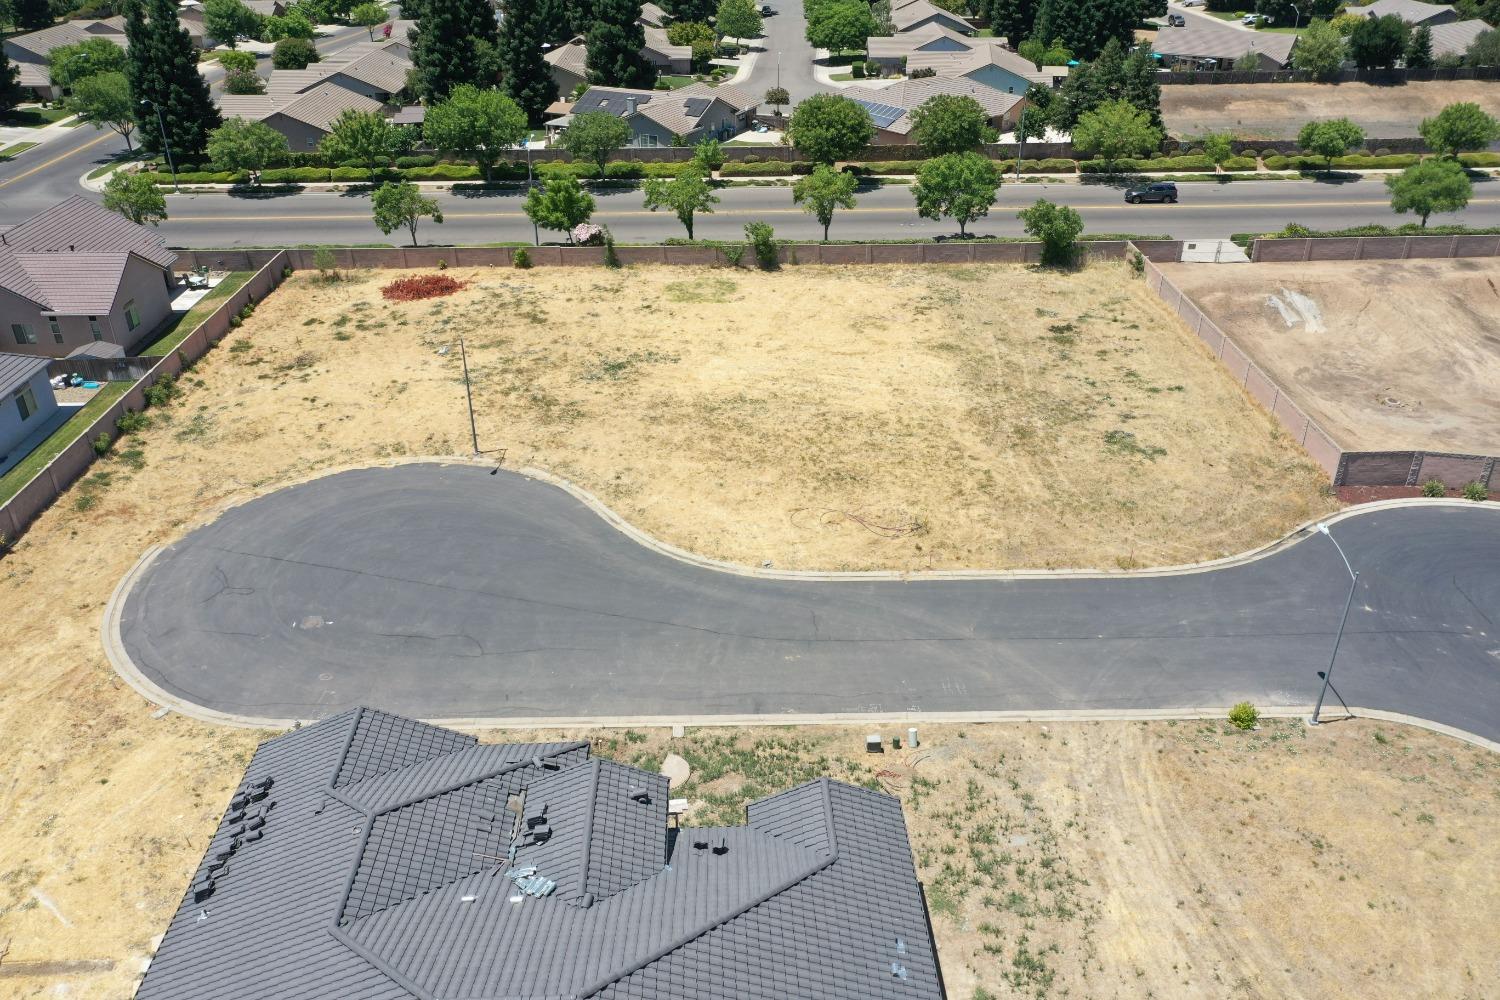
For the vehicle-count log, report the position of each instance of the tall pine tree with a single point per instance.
(614, 44)
(163, 69)
(454, 42)
(10, 83)
(525, 76)
(31, 15)
(1138, 83)
(1015, 19)
(1084, 26)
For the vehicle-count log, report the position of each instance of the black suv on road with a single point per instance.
(1159, 191)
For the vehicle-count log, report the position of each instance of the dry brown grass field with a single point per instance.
(742, 416)
(1278, 111)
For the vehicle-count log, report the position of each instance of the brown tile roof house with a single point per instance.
(928, 38)
(375, 857)
(30, 51)
(365, 68)
(78, 273)
(890, 107)
(1206, 38)
(569, 61)
(652, 16)
(304, 117)
(1411, 11)
(913, 14)
(694, 112)
(989, 63)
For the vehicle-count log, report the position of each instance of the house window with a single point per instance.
(26, 402)
(312, 142)
(52, 325)
(94, 328)
(24, 334)
(132, 315)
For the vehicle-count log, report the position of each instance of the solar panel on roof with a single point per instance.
(883, 115)
(695, 106)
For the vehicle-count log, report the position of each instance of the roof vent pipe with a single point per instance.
(630, 105)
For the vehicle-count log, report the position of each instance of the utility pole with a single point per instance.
(1339, 638)
(165, 145)
(469, 396)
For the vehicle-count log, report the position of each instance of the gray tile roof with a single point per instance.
(1454, 38)
(1205, 38)
(1410, 11)
(16, 369)
(373, 866)
(69, 258)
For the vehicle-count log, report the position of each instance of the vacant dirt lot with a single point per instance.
(1386, 355)
(1279, 110)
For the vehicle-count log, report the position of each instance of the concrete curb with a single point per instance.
(119, 658)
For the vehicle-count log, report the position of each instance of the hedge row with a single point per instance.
(1357, 161)
(1479, 159)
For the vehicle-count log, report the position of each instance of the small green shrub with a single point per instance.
(763, 238)
(1434, 488)
(769, 168)
(733, 253)
(1476, 491)
(1244, 715)
(102, 443)
(611, 258)
(162, 391)
(130, 421)
(1138, 263)
(522, 259)
(1479, 159)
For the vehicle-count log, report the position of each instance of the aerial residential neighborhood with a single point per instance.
(812, 499)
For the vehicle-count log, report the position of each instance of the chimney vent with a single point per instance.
(629, 106)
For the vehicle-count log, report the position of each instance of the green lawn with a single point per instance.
(178, 330)
(674, 81)
(15, 149)
(12, 481)
(1227, 16)
(33, 117)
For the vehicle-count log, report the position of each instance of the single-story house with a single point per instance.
(1205, 38)
(568, 62)
(366, 68)
(652, 16)
(913, 14)
(1413, 12)
(27, 405)
(1455, 37)
(891, 52)
(266, 8)
(77, 273)
(32, 51)
(890, 107)
(989, 63)
(656, 117)
(372, 856)
(305, 117)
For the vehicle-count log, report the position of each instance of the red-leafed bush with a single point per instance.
(423, 286)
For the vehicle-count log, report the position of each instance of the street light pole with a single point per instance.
(1338, 639)
(165, 145)
(1297, 23)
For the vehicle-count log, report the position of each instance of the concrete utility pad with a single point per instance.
(1385, 355)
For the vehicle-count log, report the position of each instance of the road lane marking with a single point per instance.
(56, 159)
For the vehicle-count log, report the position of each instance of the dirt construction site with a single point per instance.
(831, 418)
(1278, 111)
(1385, 355)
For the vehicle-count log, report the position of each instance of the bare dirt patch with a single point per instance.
(1385, 355)
(1279, 110)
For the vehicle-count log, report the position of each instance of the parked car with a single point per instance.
(1176, 21)
(1156, 191)
(1251, 20)
(1191, 3)
(766, 10)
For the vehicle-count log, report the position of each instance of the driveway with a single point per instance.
(448, 592)
(786, 38)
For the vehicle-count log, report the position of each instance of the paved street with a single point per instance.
(449, 592)
(786, 36)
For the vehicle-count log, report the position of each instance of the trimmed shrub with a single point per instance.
(1239, 163)
(1434, 488)
(521, 259)
(763, 239)
(774, 168)
(403, 162)
(1244, 715)
(447, 172)
(1479, 159)
(1476, 491)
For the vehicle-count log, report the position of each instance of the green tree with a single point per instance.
(401, 203)
(454, 42)
(1115, 130)
(67, 64)
(1218, 147)
(1086, 26)
(776, 97)
(950, 123)
(738, 19)
(1091, 84)
(240, 145)
(477, 124)
(136, 197)
(1377, 42)
(292, 24)
(823, 191)
(1484, 50)
(962, 186)
(686, 195)
(699, 37)
(708, 155)
(1042, 54)
(593, 135)
(31, 15)
(525, 76)
(104, 100)
(362, 136)
(369, 16)
(163, 70)
(1460, 128)
(243, 81)
(560, 204)
(691, 10)
(614, 43)
(1429, 186)
(1419, 48)
(294, 53)
(235, 59)
(1320, 51)
(10, 83)
(841, 25)
(228, 20)
(1014, 19)
(828, 127)
(1138, 83)
(1330, 138)
(1057, 226)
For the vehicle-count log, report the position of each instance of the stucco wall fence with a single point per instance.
(1268, 251)
(74, 460)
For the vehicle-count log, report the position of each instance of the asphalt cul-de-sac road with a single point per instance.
(450, 592)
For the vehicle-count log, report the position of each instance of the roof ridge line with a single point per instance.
(588, 826)
(379, 963)
(455, 786)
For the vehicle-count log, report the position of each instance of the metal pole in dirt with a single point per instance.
(469, 396)
(165, 145)
(1338, 639)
